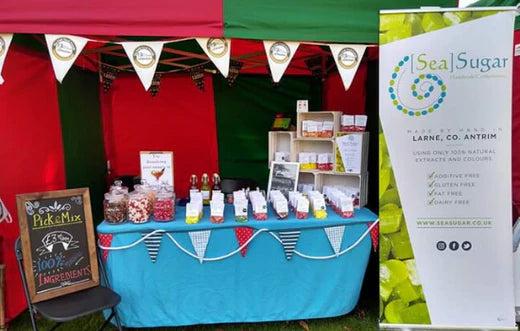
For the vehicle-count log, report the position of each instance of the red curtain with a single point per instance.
(350, 102)
(181, 118)
(516, 131)
(31, 149)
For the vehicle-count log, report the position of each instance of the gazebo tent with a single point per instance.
(61, 135)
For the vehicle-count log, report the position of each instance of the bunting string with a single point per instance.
(187, 252)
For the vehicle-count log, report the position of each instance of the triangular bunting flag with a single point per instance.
(243, 233)
(108, 75)
(199, 240)
(218, 50)
(374, 234)
(144, 56)
(64, 50)
(153, 244)
(347, 59)
(106, 241)
(197, 75)
(289, 241)
(5, 41)
(279, 55)
(234, 70)
(335, 235)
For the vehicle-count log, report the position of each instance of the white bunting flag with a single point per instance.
(335, 235)
(218, 50)
(199, 240)
(64, 50)
(5, 41)
(144, 56)
(347, 59)
(279, 55)
(289, 241)
(153, 244)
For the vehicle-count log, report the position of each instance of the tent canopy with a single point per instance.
(329, 20)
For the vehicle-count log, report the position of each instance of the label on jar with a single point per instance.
(303, 205)
(192, 210)
(328, 126)
(312, 126)
(239, 195)
(347, 120)
(193, 191)
(281, 206)
(304, 158)
(313, 157)
(217, 208)
(346, 204)
(241, 208)
(205, 195)
(217, 196)
(195, 196)
(360, 120)
(260, 207)
(323, 158)
(318, 204)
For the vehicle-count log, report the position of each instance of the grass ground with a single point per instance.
(363, 318)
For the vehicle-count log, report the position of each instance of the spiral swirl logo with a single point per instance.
(416, 95)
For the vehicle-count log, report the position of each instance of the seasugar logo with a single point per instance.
(415, 94)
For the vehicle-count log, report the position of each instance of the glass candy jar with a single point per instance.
(115, 207)
(118, 188)
(164, 207)
(139, 207)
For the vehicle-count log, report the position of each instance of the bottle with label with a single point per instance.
(205, 189)
(193, 184)
(216, 183)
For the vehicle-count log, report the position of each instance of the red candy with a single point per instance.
(217, 219)
(260, 216)
(163, 210)
(301, 215)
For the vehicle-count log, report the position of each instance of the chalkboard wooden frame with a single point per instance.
(21, 200)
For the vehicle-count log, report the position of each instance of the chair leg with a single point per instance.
(105, 323)
(33, 320)
(116, 316)
(55, 326)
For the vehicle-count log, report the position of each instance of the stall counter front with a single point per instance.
(172, 274)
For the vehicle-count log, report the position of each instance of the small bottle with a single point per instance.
(193, 184)
(216, 183)
(205, 189)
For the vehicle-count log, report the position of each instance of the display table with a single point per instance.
(184, 287)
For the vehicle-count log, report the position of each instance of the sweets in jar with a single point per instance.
(258, 204)
(164, 207)
(115, 208)
(139, 207)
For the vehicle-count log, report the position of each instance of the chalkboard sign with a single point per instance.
(58, 244)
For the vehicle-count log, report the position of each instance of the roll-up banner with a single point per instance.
(445, 169)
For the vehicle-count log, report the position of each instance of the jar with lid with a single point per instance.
(148, 192)
(139, 207)
(115, 208)
(164, 206)
(118, 188)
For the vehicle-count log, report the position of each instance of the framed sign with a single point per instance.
(157, 167)
(283, 177)
(58, 242)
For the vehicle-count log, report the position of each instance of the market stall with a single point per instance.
(219, 125)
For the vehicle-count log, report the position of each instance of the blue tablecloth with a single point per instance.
(262, 286)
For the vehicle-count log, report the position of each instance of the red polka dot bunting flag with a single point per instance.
(243, 233)
(374, 233)
(106, 241)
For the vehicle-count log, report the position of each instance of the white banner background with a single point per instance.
(462, 287)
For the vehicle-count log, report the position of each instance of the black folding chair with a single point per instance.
(71, 306)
